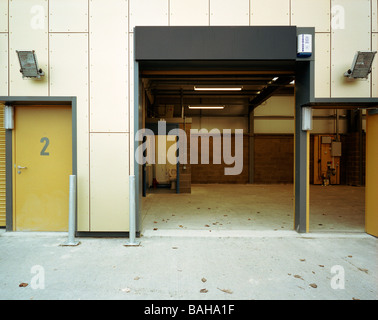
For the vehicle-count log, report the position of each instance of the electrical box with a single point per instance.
(326, 139)
(336, 149)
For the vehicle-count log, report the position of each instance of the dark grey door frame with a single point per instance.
(230, 46)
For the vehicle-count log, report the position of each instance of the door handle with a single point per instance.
(19, 168)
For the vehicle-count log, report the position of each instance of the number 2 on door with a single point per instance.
(47, 142)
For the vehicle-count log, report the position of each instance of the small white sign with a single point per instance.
(304, 45)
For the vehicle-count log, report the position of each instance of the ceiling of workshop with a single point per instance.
(176, 88)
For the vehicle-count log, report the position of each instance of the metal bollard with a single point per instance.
(72, 214)
(132, 227)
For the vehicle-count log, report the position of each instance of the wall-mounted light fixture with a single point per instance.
(209, 107)
(361, 66)
(306, 118)
(217, 88)
(29, 65)
(8, 117)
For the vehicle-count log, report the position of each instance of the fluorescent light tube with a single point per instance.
(210, 88)
(206, 107)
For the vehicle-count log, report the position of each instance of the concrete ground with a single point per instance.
(218, 255)
(253, 207)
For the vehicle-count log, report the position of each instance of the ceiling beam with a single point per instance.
(269, 91)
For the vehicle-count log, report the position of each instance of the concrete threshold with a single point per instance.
(250, 234)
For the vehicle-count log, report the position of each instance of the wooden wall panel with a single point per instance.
(189, 12)
(69, 77)
(68, 16)
(351, 32)
(225, 13)
(311, 13)
(109, 182)
(148, 13)
(28, 25)
(108, 66)
(322, 65)
(262, 13)
(3, 64)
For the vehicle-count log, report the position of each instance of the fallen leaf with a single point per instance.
(206, 225)
(313, 285)
(137, 278)
(23, 284)
(181, 226)
(125, 290)
(174, 247)
(155, 221)
(203, 290)
(298, 276)
(363, 270)
(302, 260)
(321, 265)
(355, 298)
(155, 228)
(225, 290)
(203, 279)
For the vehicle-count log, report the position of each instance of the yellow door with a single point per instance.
(42, 165)
(371, 189)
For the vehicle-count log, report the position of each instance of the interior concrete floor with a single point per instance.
(218, 207)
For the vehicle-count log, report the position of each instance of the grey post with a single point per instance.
(72, 214)
(132, 222)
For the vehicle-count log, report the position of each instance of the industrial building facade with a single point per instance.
(112, 68)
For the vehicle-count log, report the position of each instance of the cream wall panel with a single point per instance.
(68, 15)
(108, 66)
(220, 123)
(262, 13)
(3, 15)
(189, 12)
(374, 18)
(225, 12)
(109, 182)
(148, 13)
(374, 72)
(69, 77)
(3, 64)
(350, 35)
(274, 126)
(276, 106)
(28, 23)
(311, 13)
(322, 65)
